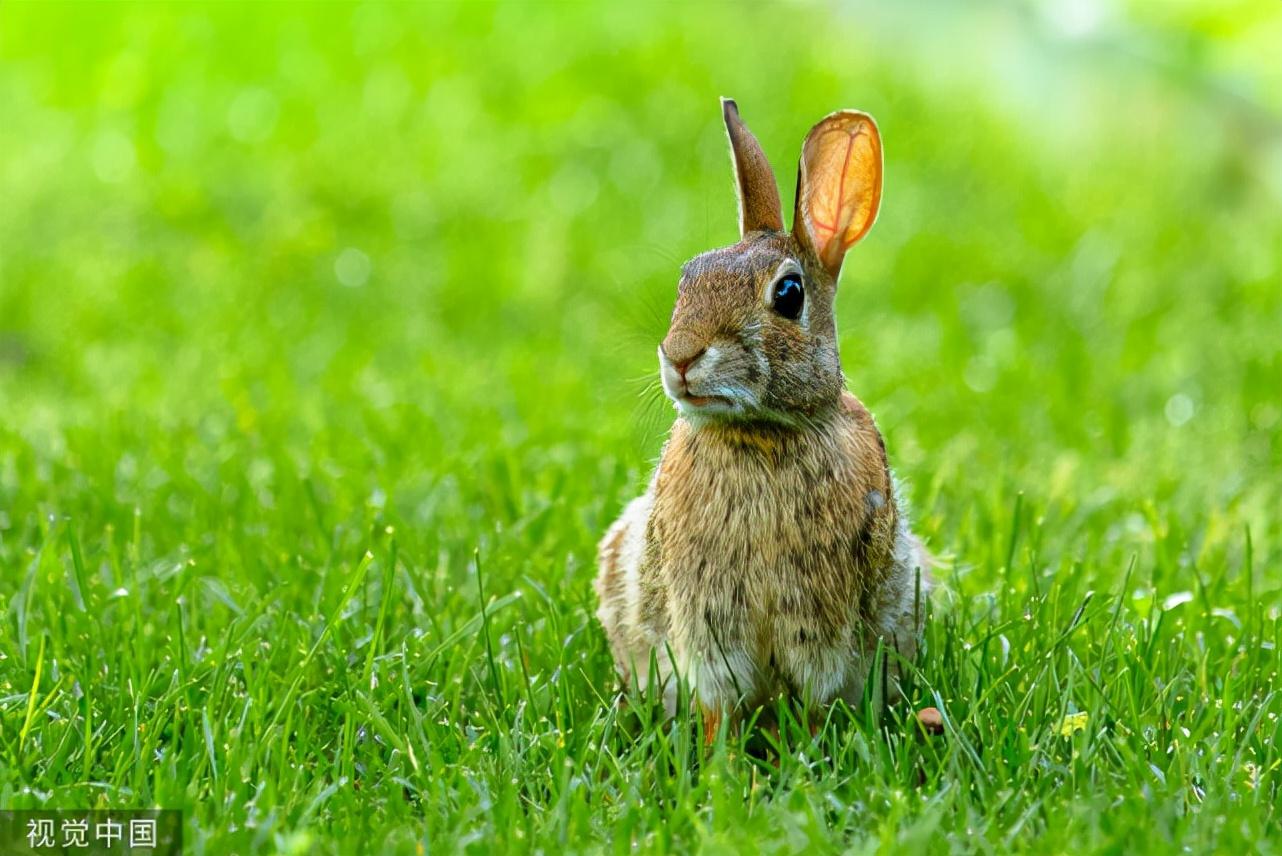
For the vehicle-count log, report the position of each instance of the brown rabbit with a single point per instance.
(769, 553)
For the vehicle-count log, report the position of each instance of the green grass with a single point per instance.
(326, 355)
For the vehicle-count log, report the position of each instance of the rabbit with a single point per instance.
(770, 553)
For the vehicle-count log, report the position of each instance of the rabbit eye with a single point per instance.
(788, 296)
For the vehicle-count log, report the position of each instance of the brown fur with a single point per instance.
(759, 208)
(767, 540)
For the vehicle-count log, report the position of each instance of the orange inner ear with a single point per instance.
(842, 183)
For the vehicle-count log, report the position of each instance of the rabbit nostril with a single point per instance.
(682, 366)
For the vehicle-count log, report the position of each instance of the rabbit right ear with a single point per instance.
(759, 208)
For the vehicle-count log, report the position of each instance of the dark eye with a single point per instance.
(788, 296)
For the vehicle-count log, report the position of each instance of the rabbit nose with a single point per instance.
(683, 365)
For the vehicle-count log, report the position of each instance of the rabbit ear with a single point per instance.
(759, 208)
(838, 185)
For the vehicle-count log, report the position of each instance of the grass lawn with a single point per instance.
(327, 354)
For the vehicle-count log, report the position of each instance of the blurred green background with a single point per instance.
(283, 283)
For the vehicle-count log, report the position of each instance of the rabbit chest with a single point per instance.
(773, 545)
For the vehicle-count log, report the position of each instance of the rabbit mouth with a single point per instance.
(706, 400)
(705, 405)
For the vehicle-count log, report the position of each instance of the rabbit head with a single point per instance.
(753, 337)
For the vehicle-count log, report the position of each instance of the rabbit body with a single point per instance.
(765, 563)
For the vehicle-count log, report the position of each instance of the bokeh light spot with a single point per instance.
(1179, 409)
(251, 118)
(352, 267)
(113, 157)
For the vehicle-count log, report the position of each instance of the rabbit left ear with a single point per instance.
(838, 186)
(759, 208)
